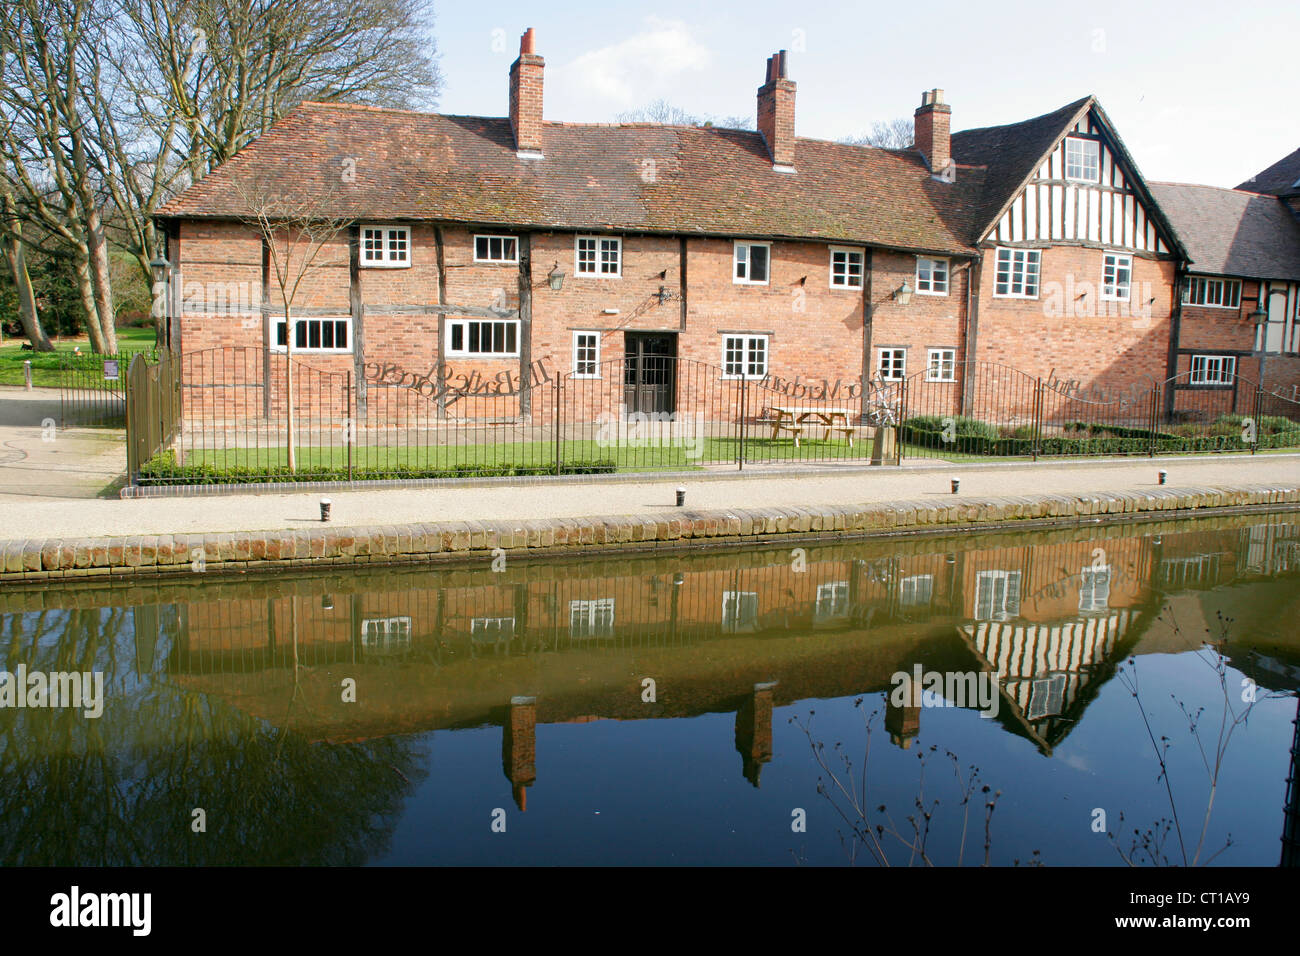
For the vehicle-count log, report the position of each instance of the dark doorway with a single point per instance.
(649, 372)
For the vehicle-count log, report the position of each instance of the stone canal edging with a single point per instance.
(327, 545)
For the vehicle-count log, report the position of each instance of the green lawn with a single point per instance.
(672, 458)
(46, 365)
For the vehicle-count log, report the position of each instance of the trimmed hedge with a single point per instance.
(162, 469)
(1084, 439)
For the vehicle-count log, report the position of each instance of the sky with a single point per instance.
(1200, 91)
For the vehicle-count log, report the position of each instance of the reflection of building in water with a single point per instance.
(1050, 671)
(446, 649)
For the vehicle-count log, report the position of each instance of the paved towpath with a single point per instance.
(40, 461)
(52, 519)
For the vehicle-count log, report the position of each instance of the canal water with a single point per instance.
(749, 706)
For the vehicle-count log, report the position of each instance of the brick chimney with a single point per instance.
(933, 130)
(776, 114)
(526, 99)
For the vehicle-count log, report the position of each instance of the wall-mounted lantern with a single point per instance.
(556, 278)
(903, 294)
(158, 266)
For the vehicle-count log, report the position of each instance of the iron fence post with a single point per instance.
(558, 421)
(1037, 441)
(1152, 420)
(744, 395)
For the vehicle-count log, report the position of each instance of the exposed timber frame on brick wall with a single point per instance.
(358, 316)
(868, 309)
(971, 337)
(525, 321)
(440, 258)
(681, 280)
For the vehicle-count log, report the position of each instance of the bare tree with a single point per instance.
(44, 140)
(663, 113)
(297, 233)
(895, 134)
(15, 257)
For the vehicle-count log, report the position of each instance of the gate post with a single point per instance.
(1153, 420)
(349, 409)
(1259, 410)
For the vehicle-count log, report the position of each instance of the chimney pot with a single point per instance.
(933, 130)
(526, 97)
(776, 113)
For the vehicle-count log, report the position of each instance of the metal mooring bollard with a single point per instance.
(1161, 476)
(956, 484)
(681, 497)
(324, 509)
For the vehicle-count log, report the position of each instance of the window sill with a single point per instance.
(384, 265)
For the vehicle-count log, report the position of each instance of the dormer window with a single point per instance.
(1082, 159)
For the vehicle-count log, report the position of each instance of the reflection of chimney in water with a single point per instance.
(754, 731)
(519, 748)
(902, 723)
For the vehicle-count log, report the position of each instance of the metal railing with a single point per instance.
(248, 415)
(92, 388)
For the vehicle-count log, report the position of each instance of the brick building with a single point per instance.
(492, 253)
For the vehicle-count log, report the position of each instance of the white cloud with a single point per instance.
(653, 63)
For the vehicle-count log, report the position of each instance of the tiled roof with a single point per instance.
(1231, 232)
(1280, 179)
(1011, 153)
(627, 178)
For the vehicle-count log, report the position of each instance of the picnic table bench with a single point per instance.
(795, 420)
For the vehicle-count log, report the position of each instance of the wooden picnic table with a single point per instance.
(795, 420)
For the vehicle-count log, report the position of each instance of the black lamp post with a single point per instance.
(162, 322)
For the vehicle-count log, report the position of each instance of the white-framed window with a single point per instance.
(739, 611)
(386, 635)
(1082, 159)
(493, 338)
(496, 249)
(1213, 369)
(846, 268)
(997, 595)
(600, 256)
(751, 262)
(941, 365)
(316, 334)
(931, 276)
(591, 618)
(832, 601)
(1046, 696)
(1116, 277)
(1212, 293)
(1017, 273)
(892, 364)
(586, 355)
(916, 590)
(744, 356)
(386, 246)
(1094, 588)
(491, 630)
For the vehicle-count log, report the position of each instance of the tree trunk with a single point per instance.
(97, 246)
(26, 299)
(86, 292)
(288, 386)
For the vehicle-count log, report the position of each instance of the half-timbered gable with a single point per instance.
(1082, 188)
